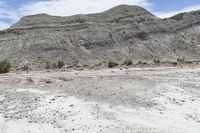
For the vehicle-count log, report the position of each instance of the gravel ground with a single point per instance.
(137, 100)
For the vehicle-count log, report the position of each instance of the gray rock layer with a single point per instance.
(117, 34)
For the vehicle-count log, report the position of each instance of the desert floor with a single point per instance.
(135, 100)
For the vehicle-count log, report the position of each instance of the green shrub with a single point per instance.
(156, 61)
(60, 64)
(128, 62)
(167, 62)
(85, 65)
(25, 68)
(29, 80)
(5, 66)
(48, 65)
(54, 66)
(170, 62)
(175, 63)
(98, 64)
(188, 62)
(112, 64)
(181, 60)
(142, 63)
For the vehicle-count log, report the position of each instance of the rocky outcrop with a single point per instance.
(117, 34)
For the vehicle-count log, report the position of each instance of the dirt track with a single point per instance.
(160, 100)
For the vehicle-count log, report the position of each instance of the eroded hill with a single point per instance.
(117, 34)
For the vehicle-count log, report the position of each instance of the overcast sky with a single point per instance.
(12, 10)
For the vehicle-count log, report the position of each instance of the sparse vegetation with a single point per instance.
(141, 63)
(175, 63)
(77, 65)
(128, 62)
(166, 61)
(60, 64)
(156, 61)
(110, 34)
(29, 80)
(79, 69)
(48, 65)
(98, 64)
(54, 66)
(85, 65)
(25, 68)
(5, 66)
(47, 81)
(112, 64)
(181, 60)
(69, 66)
(64, 79)
(142, 35)
(80, 20)
(170, 62)
(188, 62)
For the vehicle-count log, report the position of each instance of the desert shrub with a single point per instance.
(48, 81)
(54, 66)
(60, 64)
(141, 35)
(112, 64)
(64, 78)
(128, 62)
(110, 34)
(175, 63)
(5, 66)
(85, 65)
(139, 63)
(29, 80)
(98, 64)
(170, 62)
(25, 68)
(188, 62)
(156, 61)
(91, 67)
(70, 66)
(142, 63)
(80, 20)
(77, 65)
(79, 69)
(48, 65)
(167, 62)
(181, 60)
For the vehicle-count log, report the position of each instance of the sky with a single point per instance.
(12, 10)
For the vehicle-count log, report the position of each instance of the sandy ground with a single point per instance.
(138, 100)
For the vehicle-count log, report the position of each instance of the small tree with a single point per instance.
(5, 66)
